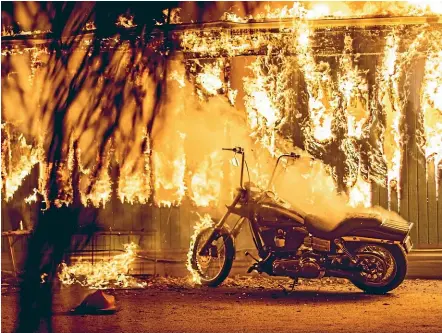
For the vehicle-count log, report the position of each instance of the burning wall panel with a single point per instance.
(337, 105)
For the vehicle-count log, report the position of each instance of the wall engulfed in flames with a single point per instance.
(344, 102)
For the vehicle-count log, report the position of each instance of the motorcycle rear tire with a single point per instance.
(401, 261)
(227, 265)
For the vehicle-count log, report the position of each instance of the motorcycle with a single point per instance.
(369, 251)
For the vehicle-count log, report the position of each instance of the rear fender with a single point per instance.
(405, 243)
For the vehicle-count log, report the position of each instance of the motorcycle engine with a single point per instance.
(306, 267)
(281, 234)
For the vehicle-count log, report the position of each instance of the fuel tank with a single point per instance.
(281, 230)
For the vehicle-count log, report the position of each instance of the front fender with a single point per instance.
(227, 236)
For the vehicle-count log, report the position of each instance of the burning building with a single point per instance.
(356, 85)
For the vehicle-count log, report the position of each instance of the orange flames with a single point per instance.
(169, 167)
(126, 21)
(210, 79)
(104, 273)
(17, 162)
(323, 101)
(204, 222)
(263, 114)
(205, 185)
(354, 89)
(265, 105)
(431, 101)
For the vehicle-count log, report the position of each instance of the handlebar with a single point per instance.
(240, 150)
(237, 150)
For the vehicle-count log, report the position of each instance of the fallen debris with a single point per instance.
(97, 303)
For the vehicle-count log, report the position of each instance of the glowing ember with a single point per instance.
(102, 274)
(90, 26)
(204, 222)
(178, 77)
(126, 21)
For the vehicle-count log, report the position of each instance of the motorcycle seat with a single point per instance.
(328, 229)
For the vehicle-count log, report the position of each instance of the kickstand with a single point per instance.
(288, 292)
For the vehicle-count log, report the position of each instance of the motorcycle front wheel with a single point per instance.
(212, 269)
(383, 267)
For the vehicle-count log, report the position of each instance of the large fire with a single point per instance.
(339, 111)
(431, 97)
(264, 102)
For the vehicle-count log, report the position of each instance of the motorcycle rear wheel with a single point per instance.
(395, 261)
(213, 269)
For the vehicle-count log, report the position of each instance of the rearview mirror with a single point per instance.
(234, 162)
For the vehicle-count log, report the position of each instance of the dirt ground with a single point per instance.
(249, 304)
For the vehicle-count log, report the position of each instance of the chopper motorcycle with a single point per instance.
(369, 251)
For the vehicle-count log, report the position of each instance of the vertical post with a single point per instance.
(11, 251)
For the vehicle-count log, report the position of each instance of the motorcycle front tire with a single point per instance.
(227, 264)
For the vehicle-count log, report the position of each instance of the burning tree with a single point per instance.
(74, 109)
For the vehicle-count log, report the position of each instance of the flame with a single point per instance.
(354, 89)
(178, 77)
(102, 188)
(169, 175)
(262, 103)
(204, 222)
(205, 184)
(232, 17)
(210, 78)
(126, 21)
(389, 98)
(360, 193)
(392, 99)
(323, 101)
(102, 274)
(17, 163)
(341, 9)
(134, 183)
(7, 31)
(431, 103)
(175, 16)
(426, 6)
(33, 197)
(231, 94)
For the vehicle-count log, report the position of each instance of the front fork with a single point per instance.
(218, 226)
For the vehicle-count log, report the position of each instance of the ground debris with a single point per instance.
(181, 284)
